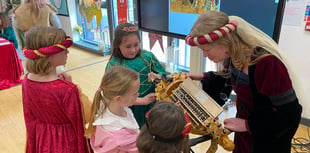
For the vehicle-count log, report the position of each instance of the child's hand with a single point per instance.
(65, 76)
(152, 77)
(146, 99)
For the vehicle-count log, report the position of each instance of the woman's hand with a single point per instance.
(146, 99)
(236, 124)
(194, 76)
(153, 77)
(65, 76)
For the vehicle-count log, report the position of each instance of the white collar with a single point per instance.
(110, 121)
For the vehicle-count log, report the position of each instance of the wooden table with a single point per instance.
(11, 68)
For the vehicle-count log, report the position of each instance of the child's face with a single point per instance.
(131, 96)
(59, 58)
(130, 46)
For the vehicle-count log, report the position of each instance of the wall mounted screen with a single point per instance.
(176, 17)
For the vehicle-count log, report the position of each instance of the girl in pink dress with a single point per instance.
(112, 126)
(52, 107)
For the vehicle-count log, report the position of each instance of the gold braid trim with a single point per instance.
(38, 53)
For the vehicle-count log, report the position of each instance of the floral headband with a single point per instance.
(185, 132)
(210, 37)
(130, 29)
(49, 50)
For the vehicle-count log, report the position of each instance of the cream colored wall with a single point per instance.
(295, 42)
(68, 22)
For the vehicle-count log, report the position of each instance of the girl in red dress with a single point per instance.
(52, 107)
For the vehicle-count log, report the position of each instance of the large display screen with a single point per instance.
(176, 17)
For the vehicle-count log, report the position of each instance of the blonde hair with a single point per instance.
(116, 81)
(36, 5)
(39, 37)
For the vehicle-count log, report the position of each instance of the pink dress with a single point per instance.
(53, 117)
(115, 134)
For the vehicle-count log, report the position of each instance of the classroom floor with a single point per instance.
(86, 69)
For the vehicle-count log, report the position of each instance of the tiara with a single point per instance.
(49, 50)
(130, 29)
(210, 37)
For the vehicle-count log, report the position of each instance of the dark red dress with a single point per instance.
(266, 98)
(53, 117)
(277, 112)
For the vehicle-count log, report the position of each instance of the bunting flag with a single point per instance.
(122, 11)
(153, 38)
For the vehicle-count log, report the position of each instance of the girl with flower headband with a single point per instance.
(166, 130)
(53, 111)
(126, 52)
(112, 126)
(268, 111)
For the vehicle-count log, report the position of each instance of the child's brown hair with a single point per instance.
(120, 32)
(166, 121)
(5, 21)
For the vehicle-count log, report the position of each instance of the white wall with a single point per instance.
(295, 42)
(68, 22)
(65, 24)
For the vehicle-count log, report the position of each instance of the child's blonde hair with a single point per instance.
(116, 81)
(39, 37)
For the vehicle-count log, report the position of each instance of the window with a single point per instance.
(176, 56)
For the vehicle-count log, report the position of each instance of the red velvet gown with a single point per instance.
(53, 117)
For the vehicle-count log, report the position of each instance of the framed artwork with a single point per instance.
(61, 6)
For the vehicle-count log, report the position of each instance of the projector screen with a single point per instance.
(175, 18)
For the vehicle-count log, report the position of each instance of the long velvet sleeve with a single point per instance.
(30, 124)
(276, 109)
(271, 77)
(73, 110)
